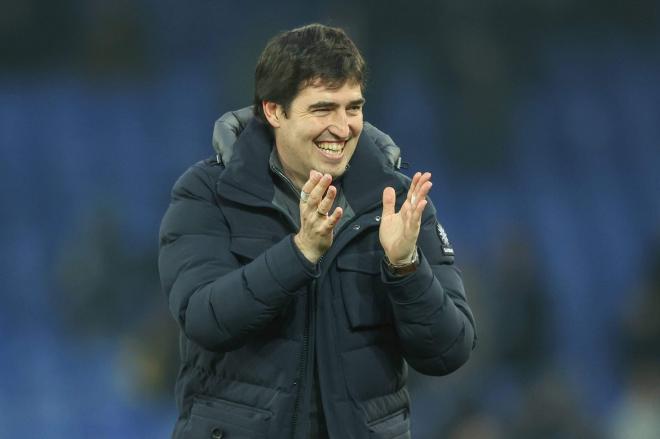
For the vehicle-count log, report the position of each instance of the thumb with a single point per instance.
(389, 197)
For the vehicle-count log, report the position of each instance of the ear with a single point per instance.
(273, 112)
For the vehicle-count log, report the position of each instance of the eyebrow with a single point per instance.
(327, 104)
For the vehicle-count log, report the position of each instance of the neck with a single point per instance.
(279, 164)
(297, 182)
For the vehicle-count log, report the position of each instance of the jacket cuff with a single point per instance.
(311, 268)
(290, 269)
(408, 288)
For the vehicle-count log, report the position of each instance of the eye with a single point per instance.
(356, 109)
(320, 111)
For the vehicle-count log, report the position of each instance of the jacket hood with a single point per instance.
(247, 178)
(230, 125)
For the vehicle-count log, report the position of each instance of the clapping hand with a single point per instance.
(316, 223)
(399, 230)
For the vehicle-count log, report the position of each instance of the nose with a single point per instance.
(339, 125)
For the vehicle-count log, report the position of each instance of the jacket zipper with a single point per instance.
(304, 358)
(310, 306)
(286, 179)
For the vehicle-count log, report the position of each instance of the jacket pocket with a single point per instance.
(365, 301)
(220, 418)
(394, 426)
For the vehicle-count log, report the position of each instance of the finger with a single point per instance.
(326, 203)
(423, 178)
(317, 192)
(413, 185)
(333, 219)
(416, 212)
(411, 213)
(413, 194)
(424, 191)
(412, 221)
(314, 177)
(420, 191)
(426, 177)
(389, 197)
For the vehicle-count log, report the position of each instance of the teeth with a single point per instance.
(333, 147)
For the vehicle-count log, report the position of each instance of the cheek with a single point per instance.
(357, 125)
(315, 129)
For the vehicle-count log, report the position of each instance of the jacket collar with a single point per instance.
(247, 178)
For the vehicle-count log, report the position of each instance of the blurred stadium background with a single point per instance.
(540, 120)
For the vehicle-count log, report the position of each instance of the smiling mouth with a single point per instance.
(331, 148)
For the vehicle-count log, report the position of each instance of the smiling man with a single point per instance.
(329, 118)
(304, 270)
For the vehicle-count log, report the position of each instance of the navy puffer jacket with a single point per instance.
(252, 314)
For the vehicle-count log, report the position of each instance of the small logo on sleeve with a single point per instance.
(447, 249)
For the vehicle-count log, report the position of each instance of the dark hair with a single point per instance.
(296, 58)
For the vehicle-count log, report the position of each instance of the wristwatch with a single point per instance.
(403, 269)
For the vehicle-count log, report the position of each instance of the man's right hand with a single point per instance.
(317, 227)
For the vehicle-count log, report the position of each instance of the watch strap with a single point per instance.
(403, 269)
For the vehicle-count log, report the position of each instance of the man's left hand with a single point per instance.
(399, 230)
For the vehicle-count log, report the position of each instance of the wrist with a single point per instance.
(405, 260)
(310, 255)
(404, 267)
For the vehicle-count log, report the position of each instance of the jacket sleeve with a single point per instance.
(433, 320)
(216, 301)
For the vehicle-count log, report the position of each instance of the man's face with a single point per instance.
(320, 131)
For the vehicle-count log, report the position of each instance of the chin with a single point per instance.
(336, 171)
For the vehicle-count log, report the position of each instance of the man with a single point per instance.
(303, 270)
